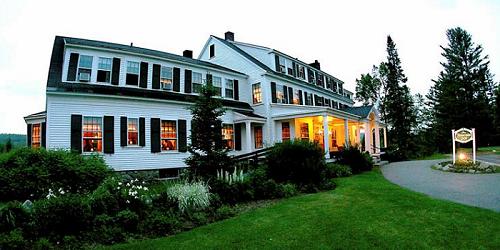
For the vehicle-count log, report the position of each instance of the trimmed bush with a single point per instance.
(334, 170)
(354, 158)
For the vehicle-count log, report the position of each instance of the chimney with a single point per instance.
(229, 36)
(187, 53)
(315, 65)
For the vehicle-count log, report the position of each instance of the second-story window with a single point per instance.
(104, 70)
(197, 82)
(132, 73)
(166, 78)
(217, 83)
(229, 88)
(302, 72)
(256, 93)
(289, 68)
(280, 95)
(85, 68)
(282, 68)
(309, 98)
(296, 98)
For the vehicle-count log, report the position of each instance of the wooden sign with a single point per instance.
(464, 135)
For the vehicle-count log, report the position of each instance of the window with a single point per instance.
(35, 135)
(334, 87)
(256, 93)
(92, 134)
(104, 70)
(85, 68)
(341, 89)
(289, 67)
(212, 50)
(217, 83)
(309, 98)
(197, 82)
(304, 131)
(259, 143)
(285, 131)
(310, 76)
(335, 105)
(282, 66)
(319, 80)
(168, 135)
(132, 131)
(280, 95)
(228, 136)
(296, 98)
(132, 73)
(229, 88)
(328, 82)
(301, 74)
(166, 78)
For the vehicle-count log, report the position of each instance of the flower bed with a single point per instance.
(466, 166)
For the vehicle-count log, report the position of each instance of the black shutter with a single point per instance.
(142, 131)
(273, 92)
(308, 75)
(44, 133)
(177, 80)
(156, 76)
(306, 101)
(294, 68)
(76, 133)
(237, 136)
(300, 97)
(123, 131)
(155, 135)
(290, 95)
(73, 65)
(109, 135)
(285, 93)
(316, 100)
(143, 81)
(236, 90)
(188, 80)
(182, 135)
(209, 79)
(115, 71)
(277, 60)
(28, 136)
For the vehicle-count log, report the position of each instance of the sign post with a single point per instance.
(453, 139)
(474, 145)
(464, 135)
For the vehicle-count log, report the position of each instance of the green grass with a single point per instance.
(365, 211)
(435, 156)
(489, 150)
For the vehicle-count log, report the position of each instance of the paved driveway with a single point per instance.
(491, 158)
(481, 190)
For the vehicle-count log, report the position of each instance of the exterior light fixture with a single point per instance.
(462, 156)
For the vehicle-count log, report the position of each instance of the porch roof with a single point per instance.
(316, 111)
(39, 115)
(362, 111)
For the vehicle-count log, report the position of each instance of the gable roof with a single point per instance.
(245, 54)
(362, 111)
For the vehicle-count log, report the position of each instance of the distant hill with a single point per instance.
(17, 139)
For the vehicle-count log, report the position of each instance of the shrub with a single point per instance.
(106, 231)
(12, 215)
(334, 170)
(299, 162)
(159, 224)
(190, 196)
(232, 193)
(29, 173)
(13, 240)
(354, 158)
(224, 212)
(127, 220)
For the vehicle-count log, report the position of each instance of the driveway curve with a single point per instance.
(480, 190)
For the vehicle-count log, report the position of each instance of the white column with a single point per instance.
(346, 132)
(474, 145)
(368, 137)
(248, 132)
(377, 138)
(385, 137)
(358, 135)
(453, 142)
(326, 137)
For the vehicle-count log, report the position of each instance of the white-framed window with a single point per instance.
(132, 131)
(168, 135)
(104, 69)
(92, 134)
(133, 69)
(296, 98)
(228, 136)
(85, 68)
(282, 63)
(197, 80)
(280, 95)
(229, 88)
(166, 78)
(310, 99)
(285, 131)
(302, 72)
(217, 83)
(256, 93)
(36, 135)
(311, 76)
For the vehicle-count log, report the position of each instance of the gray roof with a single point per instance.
(249, 114)
(362, 111)
(143, 51)
(36, 115)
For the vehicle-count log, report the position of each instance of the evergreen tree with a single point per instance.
(462, 94)
(497, 115)
(8, 145)
(206, 147)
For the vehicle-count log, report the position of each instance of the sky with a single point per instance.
(346, 37)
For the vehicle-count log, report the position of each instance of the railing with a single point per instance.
(253, 157)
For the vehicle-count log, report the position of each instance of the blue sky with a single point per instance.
(347, 37)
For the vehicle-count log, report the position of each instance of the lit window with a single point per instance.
(168, 135)
(229, 88)
(282, 66)
(132, 131)
(285, 131)
(301, 74)
(166, 79)
(217, 83)
(132, 73)
(104, 69)
(280, 95)
(256, 93)
(92, 134)
(296, 97)
(304, 131)
(197, 82)
(228, 136)
(259, 143)
(85, 68)
(35, 135)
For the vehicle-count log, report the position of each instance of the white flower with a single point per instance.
(127, 201)
(118, 188)
(143, 182)
(62, 191)
(119, 183)
(128, 184)
(146, 188)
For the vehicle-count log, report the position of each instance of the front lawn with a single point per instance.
(489, 150)
(365, 211)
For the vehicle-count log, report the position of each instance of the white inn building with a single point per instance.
(130, 104)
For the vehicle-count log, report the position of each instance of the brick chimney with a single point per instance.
(187, 53)
(229, 36)
(315, 65)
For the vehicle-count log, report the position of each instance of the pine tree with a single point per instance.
(462, 94)
(206, 147)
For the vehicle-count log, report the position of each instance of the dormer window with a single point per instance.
(197, 82)
(282, 68)
(166, 78)
(229, 88)
(85, 68)
(310, 76)
(132, 73)
(104, 70)
(301, 72)
(328, 82)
